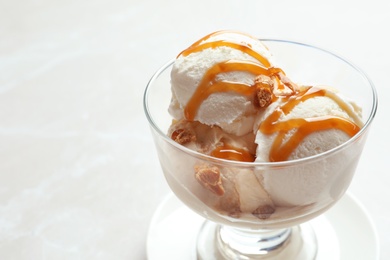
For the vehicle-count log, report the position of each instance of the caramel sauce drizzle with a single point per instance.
(244, 48)
(304, 126)
(229, 152)
(209, 85)
(280, 149)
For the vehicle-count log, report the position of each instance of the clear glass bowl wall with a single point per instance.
(297, 198)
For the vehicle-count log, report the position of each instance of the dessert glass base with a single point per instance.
(298, 242)
(174, 231)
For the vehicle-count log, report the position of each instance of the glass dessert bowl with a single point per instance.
(257, 210)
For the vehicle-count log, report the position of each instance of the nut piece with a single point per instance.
(264, 88)
(263, 212)
(183, 136)
(210, 178)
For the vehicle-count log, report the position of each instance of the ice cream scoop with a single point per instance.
(311, 122)
(213, 81)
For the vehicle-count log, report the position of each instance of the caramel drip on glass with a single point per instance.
(229, 152)
(209, 85)
(303, 126)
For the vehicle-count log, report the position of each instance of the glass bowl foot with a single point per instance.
(216, 241)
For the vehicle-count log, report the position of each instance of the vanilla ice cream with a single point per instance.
(231, 101)
(306, 128)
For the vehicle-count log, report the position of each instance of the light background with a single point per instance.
(79, 177)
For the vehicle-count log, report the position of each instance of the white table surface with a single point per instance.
(79, 177)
